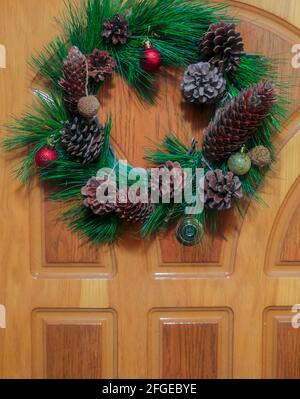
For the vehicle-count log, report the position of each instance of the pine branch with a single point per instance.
(71, 176)
(43, 120)
(97, 230)
(173, 26)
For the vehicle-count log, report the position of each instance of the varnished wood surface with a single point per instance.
(44, 267)
(74, 343)
(182, 339)
(73, 351)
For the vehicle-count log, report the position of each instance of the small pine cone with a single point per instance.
(75, 78)
(260, 156)
(116, 30)
(164, 186)
(100, 65)
(92, 200)
(132, 212)
(237, 121)
(88, 106)
(83, 139)
(223, 45)
(203, 83)
(220, 189)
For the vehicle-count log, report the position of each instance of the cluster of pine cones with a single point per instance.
(203, 83)
(114, 200)
(119, 202)
(222, 47)
(83, 136)
(234, 124)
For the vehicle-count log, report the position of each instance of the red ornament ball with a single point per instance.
(151, 60)
(44, 157)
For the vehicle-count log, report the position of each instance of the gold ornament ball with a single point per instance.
(260, 156)
(239, 163)
(88, 106)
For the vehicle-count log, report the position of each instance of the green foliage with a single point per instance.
(253, 69)
(71, 176)
(175, 28)
(43, 120)
(97, 229)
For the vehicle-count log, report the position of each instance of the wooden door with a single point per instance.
(150, 309)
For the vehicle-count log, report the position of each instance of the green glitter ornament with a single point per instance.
(239, 163)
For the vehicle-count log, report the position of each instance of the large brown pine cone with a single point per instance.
(237, 121)
(223, 45)
(163, 186)
(203, 83)
(220, 189)
(93, 201)
(100, 65)
(83, 139)
(116, 30)
(75, 78)
(132, 212)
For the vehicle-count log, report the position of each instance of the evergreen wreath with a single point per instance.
(67, 144)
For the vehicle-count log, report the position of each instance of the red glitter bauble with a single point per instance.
(44, 157)
(151, 60)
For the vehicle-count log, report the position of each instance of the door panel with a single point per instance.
(281, 345)
(191, 343)
(73, 344)
(152, 308)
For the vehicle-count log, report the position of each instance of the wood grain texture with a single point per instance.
(281, 258)
(55, 251)
(281, 344)
(61, 246)
(135, 290)
(74, 343)
(288, 10)
(73, 351)
(290, 251)
(189, 350)
(288, 351)
(190, 343)
(173, 252)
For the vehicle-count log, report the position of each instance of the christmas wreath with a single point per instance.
(68, 144)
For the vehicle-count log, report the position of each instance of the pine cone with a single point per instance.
(223, 45)
(177, 180)
(75, 78)
(83, 139)
(132, 212)
(220, 188)
(203, 83)
(234, 124)
(116, 30)
(89, 191)
(100, 65)
(260, 156)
